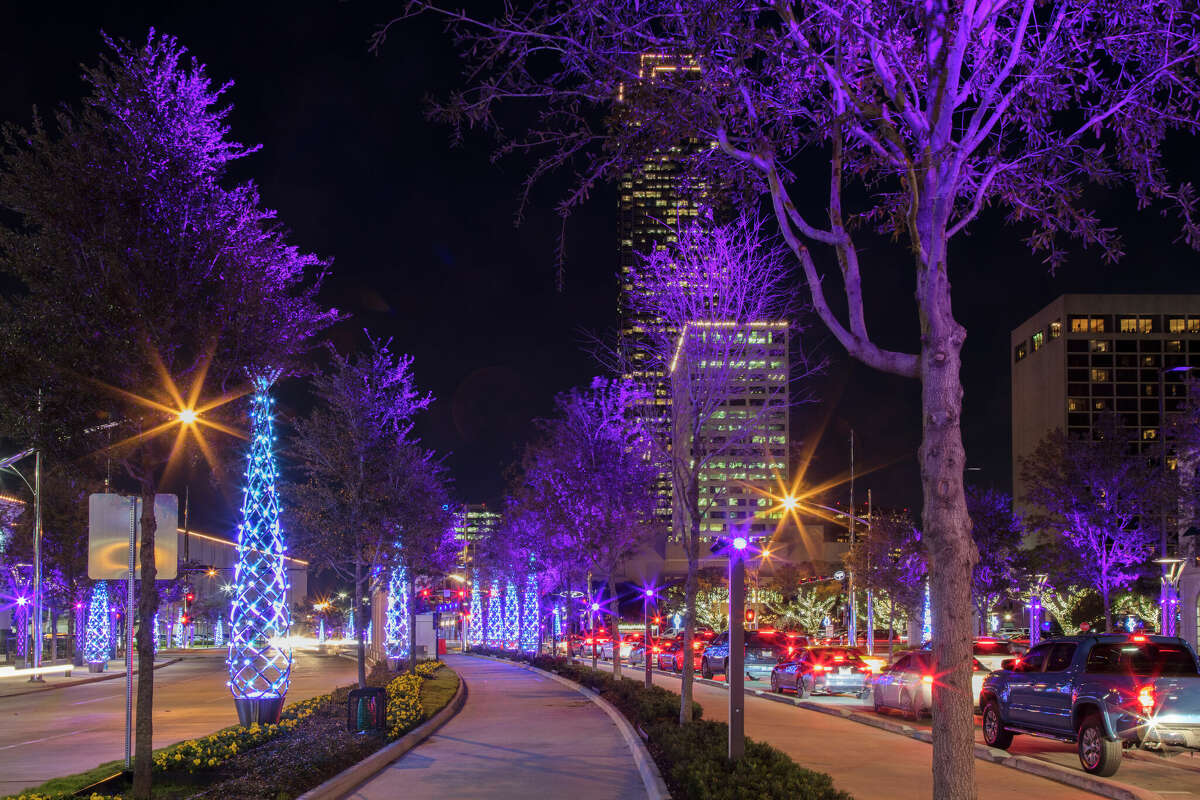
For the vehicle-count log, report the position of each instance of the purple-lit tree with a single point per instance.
(1102, 498)
(124, 213)
(921, 117)
(997, 533)
(890, 558)
(371, 496)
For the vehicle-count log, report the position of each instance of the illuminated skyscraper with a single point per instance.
(745, 440)
(654, 200)
(475, 523)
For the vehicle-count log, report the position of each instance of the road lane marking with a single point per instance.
(46, 739)
(96, 700)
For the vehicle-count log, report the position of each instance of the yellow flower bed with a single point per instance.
(404, 710)
(214, 750)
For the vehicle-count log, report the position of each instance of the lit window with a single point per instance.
(1076, 404)
(1056, 329)
(1039, 339)
(1096, 325)
(1098, 345)
(1129, 324)
(1079, 324)
(1019, 352)
(1145, 325)
(1193, 325)
(1100, 375)
(1149, 433)
(1176, 325)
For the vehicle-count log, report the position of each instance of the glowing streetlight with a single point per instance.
(187, 416)
(790, 502)
(740, 543)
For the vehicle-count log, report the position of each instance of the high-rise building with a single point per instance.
(742, 372)
(475, 523)
(1087, 355)
(653, 201)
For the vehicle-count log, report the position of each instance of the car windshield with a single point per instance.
(1144, 659)
(993, 647)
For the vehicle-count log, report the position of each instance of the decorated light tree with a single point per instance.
(530, 615)
(397, 635)
(475, 619)
(97, 641)
(219, 632)
(512, 614)
(260, 669)
(493, 635)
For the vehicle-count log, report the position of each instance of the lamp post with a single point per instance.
(735, 673)
(36, 489)
(592, 609)
(649, 598)
(1169, 586)
(1035, 608)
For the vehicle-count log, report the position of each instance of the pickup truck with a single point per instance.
(1101, 692)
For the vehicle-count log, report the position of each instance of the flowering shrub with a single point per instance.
(214, 750)
(404, 699)
(39, 796)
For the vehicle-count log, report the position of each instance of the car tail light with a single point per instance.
(820, 668)
(1138, 637)
(927, 680)
(1145, 699)
(839, 659)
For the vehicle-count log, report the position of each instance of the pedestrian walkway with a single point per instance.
(520, 735)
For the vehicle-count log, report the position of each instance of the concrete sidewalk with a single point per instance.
(519, 736)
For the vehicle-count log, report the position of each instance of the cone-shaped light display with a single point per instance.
(97, 642)
(530, 614)
(260, 660)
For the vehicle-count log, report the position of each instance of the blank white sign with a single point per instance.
(108, 537)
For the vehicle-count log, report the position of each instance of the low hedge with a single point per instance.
(693, 758)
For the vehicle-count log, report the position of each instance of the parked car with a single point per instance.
(827, 670)
(583, 644)
(1102, 692)
(907, 685)
(638, 654)
(699, 644)
(623, 647)
(990, 651)
(664, 659)
(763, 650)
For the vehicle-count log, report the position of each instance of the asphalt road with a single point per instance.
(823, 742)
(75, 728)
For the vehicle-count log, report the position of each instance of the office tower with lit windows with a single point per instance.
(475, 523)
(653, 202)
(744, 383)
(1086, 355)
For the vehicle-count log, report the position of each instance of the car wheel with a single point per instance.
(1098, 754)
(705, 670)
(994, 732)
(801, 688)
(775, 684)
(875, 702)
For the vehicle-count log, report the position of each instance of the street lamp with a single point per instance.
(647, 600)
(36, 489)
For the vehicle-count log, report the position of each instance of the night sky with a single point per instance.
(425, 250)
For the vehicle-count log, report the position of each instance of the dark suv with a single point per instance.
(1101, 692)
(763, 651)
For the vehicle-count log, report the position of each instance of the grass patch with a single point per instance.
(286, 766)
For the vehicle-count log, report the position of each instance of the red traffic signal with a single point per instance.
(424, 593)
(190, 596)
(184, 619)
(750, 615)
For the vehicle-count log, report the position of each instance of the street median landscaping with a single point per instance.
(693, 759)
(309, 745)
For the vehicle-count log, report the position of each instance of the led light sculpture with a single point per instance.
(475, 620)
(557, 622)
(396, 623)
(219, 633)
(97, 641)
(156, 634)
(21, 626)
(512, 616)
(353, 630)
(530, 614)
(367, 637)
(260, 657)
(493, 635)
(926, 618)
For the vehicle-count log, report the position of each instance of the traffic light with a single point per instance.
(184, 619)
(749, 616)
(190, 596)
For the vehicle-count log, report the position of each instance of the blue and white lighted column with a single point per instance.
(96, 641)
(475, 618)
(260, 655)
(530, 615)
(512, 614)
(494, 630)
(397, 636)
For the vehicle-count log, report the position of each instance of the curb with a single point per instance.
(652, 780)
(351, 778)
(82, 681)
(1105, 787)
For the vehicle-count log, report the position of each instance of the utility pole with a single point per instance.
(852, 619)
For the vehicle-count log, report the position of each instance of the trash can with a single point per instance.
(441, 647)
(366, 710)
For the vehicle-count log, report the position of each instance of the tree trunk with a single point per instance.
(891, 629)
(1105, 594)
(615, 619)
(952, 552)
(147, 608)
(411, 588)
(361, 647)
(690, 587)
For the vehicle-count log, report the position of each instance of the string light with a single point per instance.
(512, 616)
(219, 633)
(396, 621)
(926, 618)
(475, 620)
(530, 614)
(259, 668)
(493, 635)
(97, 641)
